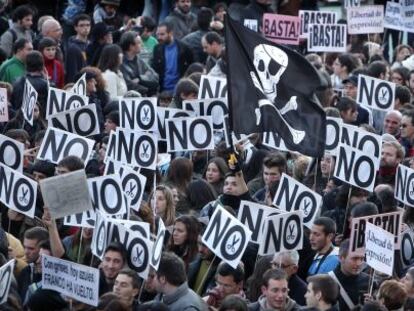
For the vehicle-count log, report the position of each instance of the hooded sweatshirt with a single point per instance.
(261, 305)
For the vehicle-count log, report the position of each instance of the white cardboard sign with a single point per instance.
(283, 232)
(58, 144)
(379, 249)
(365, 19)
(71, 279)
(327, 38)
(138, 114)
(295, 196)
(226, 236)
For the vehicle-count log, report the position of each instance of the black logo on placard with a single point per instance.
(231, 247)
(23, 198)
(131, 190)
(145, 153)
(291, 236)
(138, 255)
(145, 117)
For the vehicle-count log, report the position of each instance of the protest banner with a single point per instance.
(6, 277)
(133, 185)
(58, 144)
(134, 149)
(390, 222)
(315, 17)
(327, 38)
(66, 194)
(352, 3)
(274, 141)
(379, 249)
(404, 185)
(71, 279)
(29, 101)
(251, 24)
(186, 134)
(17, 191)
(407, 14)
(254, 215)
(283, 232)
(216, 108)
(366, 142)
(82, 121)
(158, 245)
(333, 135)
(138, 245)
(393, 18)
(4, 106)
(375, 93)
(355, 167)
(80, 86)
(212, 87)
(365, 19)
(107, 196)
(226, 236)
(11, 153)
(164, 114)
(138, 114)
(282, 29)
(292, 195)
(59, 100)
(407, 248)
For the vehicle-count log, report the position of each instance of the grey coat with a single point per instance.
(6, 39)
(183, 299)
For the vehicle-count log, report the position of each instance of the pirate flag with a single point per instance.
(271, 89)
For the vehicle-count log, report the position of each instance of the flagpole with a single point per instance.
(346, 210)
(206, 274)
(229, 89)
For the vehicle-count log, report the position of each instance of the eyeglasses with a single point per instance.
(280, 266)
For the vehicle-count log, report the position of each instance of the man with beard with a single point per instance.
(181, 18)
(392, 154)
(171, 57)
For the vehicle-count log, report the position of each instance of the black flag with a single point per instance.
(271, 89)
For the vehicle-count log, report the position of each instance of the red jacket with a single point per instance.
(55, 71)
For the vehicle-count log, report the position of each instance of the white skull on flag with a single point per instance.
(270, 63)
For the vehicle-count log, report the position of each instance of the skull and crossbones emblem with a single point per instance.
(270, 63)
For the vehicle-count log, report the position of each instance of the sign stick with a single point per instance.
(372, 283)
(23, 124)
(140, 291)
(8, 227)
(155, 197)
(316, 175)
(80, 245)
(205, 275)
(346, 210)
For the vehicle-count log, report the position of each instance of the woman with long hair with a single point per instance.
(109, 63)
(184, 239)
(162, 202)
(215, 172)
(179, 176)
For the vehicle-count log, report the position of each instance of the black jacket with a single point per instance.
(355, 286)
(76, 58)
(185, 58)
(40, 85)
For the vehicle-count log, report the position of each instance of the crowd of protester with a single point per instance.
(161, 48)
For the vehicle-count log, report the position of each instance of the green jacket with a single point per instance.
(11, 70)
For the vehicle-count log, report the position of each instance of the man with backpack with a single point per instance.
(22, 22)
